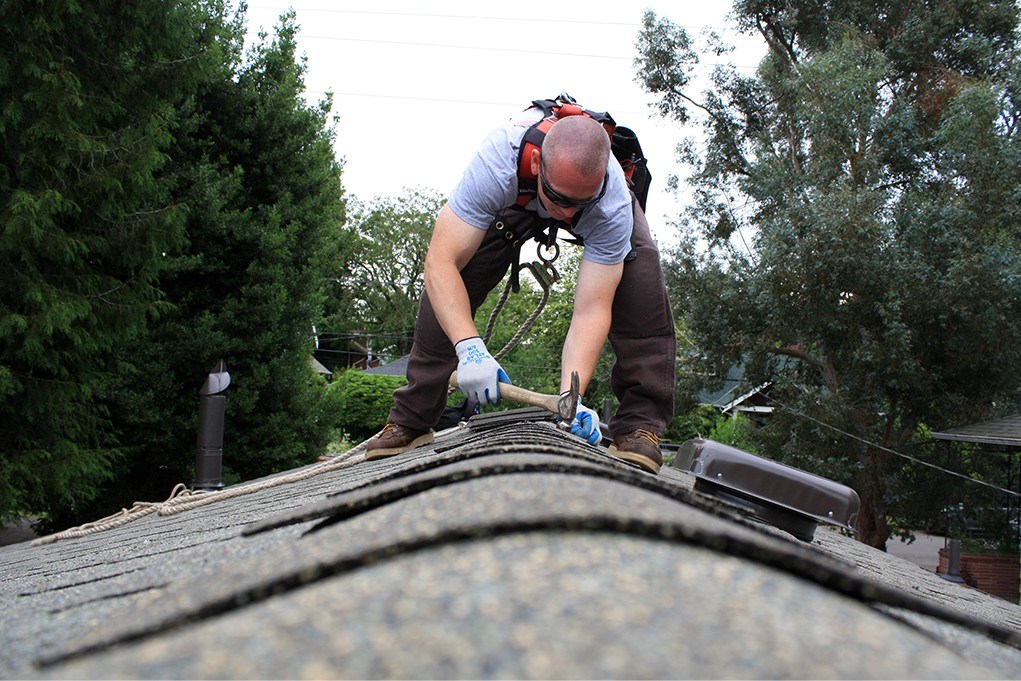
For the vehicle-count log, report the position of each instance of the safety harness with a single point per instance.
(623, 144)
(518, 225)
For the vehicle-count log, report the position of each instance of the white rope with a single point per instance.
(183, 499)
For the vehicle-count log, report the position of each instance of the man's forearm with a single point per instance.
(453, 244)
(582, 348)
(450, 303)
(590, 323)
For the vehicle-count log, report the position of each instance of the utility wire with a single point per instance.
(891, 451)
(545, 53)
(531, 20)
(483, 48)
(443, 100)
(420, 15)
(489, 18)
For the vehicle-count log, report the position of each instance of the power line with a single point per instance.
(536, 53)
(421, 15)
(488, 18)
(444, 100)
(545, 53)
(891, 451)
(480, 17)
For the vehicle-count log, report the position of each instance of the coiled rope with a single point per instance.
(184, 499)
(545, 275)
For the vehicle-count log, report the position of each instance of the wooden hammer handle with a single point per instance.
(516, 394)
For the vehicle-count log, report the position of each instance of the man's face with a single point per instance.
(564, 191)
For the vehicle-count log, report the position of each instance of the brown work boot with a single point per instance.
(639, 448)
(395, 439)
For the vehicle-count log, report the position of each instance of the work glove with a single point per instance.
(586, 424)
(478, 374)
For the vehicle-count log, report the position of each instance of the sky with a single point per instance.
(417, 86)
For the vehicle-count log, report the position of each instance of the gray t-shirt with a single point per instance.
(490, 185)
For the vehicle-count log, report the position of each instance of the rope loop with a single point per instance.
(545, 276)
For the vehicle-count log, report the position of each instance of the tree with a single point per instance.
(376, 292)
(871, 167)
(91, 93)
(255, 168)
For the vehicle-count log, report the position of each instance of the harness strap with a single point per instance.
(519, 226)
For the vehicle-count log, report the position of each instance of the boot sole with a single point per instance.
(638, 460)
(394, 451)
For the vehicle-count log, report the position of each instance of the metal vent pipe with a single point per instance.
(954, 562)
(212, 414)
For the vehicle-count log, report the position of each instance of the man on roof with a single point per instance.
(619, 293)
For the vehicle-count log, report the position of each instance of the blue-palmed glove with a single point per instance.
(478, 374)
(586, 424)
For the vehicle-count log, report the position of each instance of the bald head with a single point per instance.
(579, 141)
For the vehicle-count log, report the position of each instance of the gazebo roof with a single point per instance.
(1005, 431)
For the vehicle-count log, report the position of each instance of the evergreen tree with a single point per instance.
(256, 170)
(871, 165)
(89, 94)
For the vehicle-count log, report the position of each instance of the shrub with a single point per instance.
(358, 403)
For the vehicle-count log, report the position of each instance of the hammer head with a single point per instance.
(568, 404)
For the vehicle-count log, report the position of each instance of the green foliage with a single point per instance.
(358, 403)
(90, 94)
(255, 168)
(696, 422)
(735, 430)
(853, 233)
(377, 289)
(166, 204)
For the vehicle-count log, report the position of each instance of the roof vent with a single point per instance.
(780, 495)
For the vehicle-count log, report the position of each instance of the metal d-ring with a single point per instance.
(555, 247)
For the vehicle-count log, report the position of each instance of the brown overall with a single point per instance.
(641, 334)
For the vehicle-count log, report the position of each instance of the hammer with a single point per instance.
(565, 406)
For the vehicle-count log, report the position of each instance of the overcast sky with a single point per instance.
(418, 85)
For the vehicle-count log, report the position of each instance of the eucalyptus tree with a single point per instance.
(853, 232)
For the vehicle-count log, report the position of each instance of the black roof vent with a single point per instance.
(781, 495)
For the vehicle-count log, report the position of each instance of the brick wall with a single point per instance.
(995, 574)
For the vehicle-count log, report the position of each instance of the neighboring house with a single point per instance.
(320, 369)
(998, 438)
(736, 395)
(398, 367)
(1005, 432)
(506, 549)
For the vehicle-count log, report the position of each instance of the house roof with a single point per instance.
(398, 367)
(1005, 431)
(320, 368)
(504, 549)
(736, 394)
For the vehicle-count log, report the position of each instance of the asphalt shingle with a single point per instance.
(516, 551)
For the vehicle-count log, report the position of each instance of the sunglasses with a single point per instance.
(565, 201)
